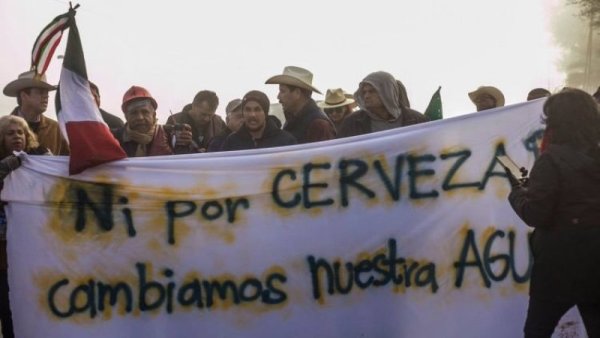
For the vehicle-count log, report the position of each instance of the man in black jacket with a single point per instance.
(111, 120)
(303, 118)
(234, 120)
(201, 116)
(258, 131)
(561, 201)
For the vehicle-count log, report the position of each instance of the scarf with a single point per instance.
(142, 139)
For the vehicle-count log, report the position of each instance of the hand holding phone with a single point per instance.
(516, 175)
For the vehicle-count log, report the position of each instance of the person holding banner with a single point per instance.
(561, 201)
(15, 135)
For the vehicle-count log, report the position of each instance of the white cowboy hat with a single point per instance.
(294, 76)
(26, 80)
(492, 91)
(335, 98)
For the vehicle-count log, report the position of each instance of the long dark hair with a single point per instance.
(573, 118)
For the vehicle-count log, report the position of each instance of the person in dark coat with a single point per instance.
(258, 130)
(202, 117)
(303, 118)
(234, 120)
(561, 201)
(111, 120)
(382, 105)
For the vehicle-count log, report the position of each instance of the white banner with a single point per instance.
(404, 233)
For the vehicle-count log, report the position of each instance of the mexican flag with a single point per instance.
(90, 139)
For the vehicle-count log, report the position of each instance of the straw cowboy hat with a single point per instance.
(492, 91)
(26, 80)
(335, 98)
(294, 76)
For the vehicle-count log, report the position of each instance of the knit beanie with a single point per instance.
(258, 97)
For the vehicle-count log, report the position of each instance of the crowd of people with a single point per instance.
(380, 103)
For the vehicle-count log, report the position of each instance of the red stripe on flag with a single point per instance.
(48, 57)
(41, 45)
(91, 144)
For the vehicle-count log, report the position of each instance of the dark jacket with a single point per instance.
(359, 122)
(272, 137)
(111, 120)
(217, 142)
(562, 203)
(310, 124)
(201, 135)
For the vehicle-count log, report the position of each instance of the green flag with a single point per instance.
(434, 110)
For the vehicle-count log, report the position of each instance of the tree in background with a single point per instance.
(575, 28)
(588, 9)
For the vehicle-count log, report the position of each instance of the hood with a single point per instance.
(388, 90)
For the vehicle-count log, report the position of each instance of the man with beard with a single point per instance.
(31, 91)
(304, 120)
(381, 107)
(142, 135)
(202, 118)
(258, 130)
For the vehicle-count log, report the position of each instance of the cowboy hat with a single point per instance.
(335, 98)
(294, 76)
(26, 80)
(492, 91)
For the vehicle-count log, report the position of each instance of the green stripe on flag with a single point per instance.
(434, 109)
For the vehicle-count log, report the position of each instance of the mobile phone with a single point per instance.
(510, 165)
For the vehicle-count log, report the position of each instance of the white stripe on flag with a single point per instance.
(76, 100)
(44, 61)
(39, 43)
